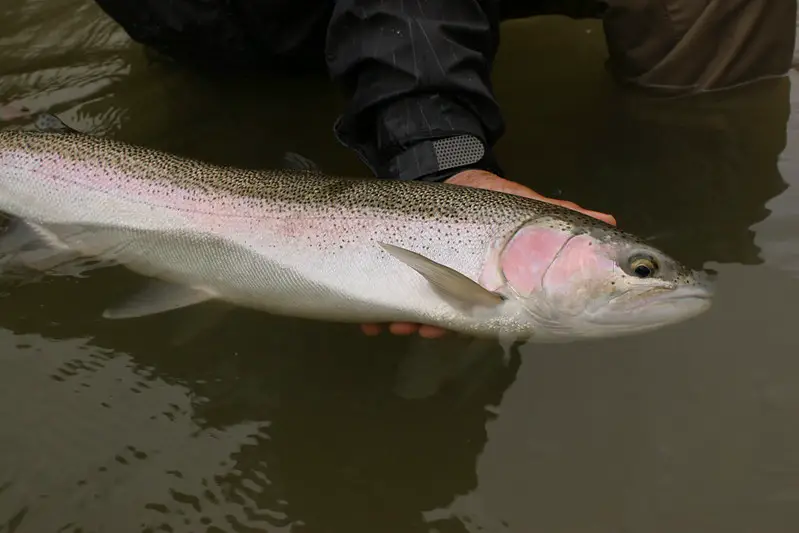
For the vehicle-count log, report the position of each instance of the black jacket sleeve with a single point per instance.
(416, 75)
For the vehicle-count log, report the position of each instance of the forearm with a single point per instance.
(416, 76)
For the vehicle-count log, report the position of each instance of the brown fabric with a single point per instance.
(675, 47)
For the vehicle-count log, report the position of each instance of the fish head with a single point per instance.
(592, 280)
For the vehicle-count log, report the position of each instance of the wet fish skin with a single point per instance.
(305, 244)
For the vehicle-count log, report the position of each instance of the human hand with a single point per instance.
(482, 180)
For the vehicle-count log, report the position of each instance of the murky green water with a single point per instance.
(272, 424)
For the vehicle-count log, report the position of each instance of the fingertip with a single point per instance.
(402, 328)
(604, 217)
(431, 332)
(371, 330)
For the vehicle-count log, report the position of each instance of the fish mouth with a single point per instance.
(697, 294)
(653, 308)
(681, 293)
(669, 293)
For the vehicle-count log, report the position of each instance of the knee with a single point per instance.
(684, 46)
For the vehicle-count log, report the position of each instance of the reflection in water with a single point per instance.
(259, 423)
(134, 453)
(777, 234)
(33, 70)
(694, 173)
(301, 431)
(697, 167)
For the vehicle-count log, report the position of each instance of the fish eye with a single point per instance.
(643, 267)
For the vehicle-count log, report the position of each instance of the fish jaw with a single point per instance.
(649, 310)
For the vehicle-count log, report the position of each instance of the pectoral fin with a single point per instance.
(27, 246)
(448, 281)
(158, 297)
(20, 234)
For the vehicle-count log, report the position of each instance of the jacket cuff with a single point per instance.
(428, 137)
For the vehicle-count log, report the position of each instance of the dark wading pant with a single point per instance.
(670, 45)
(416, 73)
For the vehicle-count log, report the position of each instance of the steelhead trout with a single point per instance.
(305, 244)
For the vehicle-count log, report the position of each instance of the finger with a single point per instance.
(568, 205)
(371, 329)
(490, 181)
(431, 332)
(403, 328)
(604, 217)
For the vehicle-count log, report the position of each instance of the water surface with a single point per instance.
(260, 423)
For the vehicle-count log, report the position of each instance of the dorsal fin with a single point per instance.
(295, 161)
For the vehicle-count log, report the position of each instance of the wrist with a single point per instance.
(442, 157)
(419, 137)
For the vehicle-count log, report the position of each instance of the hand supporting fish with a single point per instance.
(482, 180)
